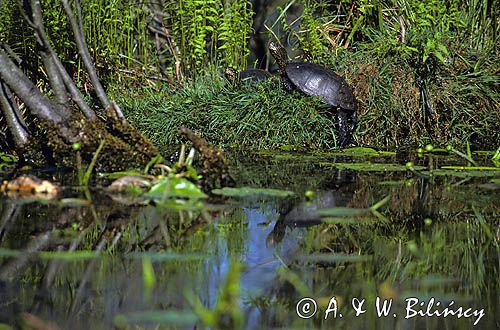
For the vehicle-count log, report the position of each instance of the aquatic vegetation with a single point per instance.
(496, 158)
(168, 267)
(7, 160)
(85, 174)
(376, 167)
(171, 318)
(175, 188)
(252, 192)
(226, 314)
(359, 224)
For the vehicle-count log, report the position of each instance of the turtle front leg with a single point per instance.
(346, 126)
(287, 83)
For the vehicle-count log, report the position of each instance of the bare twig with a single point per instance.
(86, 276)
(158, 27)
(14, 268)
(10, 212)
(151, 77)
(83, 51)
(14, 120)
(55, 79)
(58, 76)
(18, 83)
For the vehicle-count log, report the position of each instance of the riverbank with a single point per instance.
(391, 112)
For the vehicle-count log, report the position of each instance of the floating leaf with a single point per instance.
(72, 202)
(471, 168)
(252, 192)
(336, 257)
(462, 174)
(7, 253)
(117, 175)
(180, 318)
(339, 220)
(178, 187)
(363, 151)
(371, 167)
(167, 256)
(60, 255)
(69, 255)
(342, 211)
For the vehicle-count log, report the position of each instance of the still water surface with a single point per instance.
(436, 241)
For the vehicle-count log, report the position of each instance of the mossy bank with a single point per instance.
(261, 116)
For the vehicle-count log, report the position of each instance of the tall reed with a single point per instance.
(206, 33)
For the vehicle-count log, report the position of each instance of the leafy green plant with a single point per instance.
(210, 32)
(227, 313)
(84, 174)
(496, 158)
(7, 160)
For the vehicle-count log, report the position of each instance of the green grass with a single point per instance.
(452, 48)
(263, 116)
(250, 116)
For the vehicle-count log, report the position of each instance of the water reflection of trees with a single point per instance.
(454, 256)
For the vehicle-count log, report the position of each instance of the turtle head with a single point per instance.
(230, 73)
(279, 53)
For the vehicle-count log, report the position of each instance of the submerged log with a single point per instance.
(215, 170)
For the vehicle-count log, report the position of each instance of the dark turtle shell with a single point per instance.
(250, 75)
(254, 75)
(316, 80)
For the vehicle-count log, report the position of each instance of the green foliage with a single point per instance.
(117, 32)
(252, 192)
(7, 161)
(210, 32)
(429, 22)
(481, 28)
(312, 28)
(246, 116)
(175, 187)
(260, 116)
(496, 158)
(234, 28)
(85, 174)
(202, 33)
(227, 313)
(417, 31)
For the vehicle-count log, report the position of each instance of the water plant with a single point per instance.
(6, 161)
(188, 34)
(226, 314)
(85, 174)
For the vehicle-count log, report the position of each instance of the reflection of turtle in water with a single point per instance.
(316, 80)
(250, 75)
(304, 213)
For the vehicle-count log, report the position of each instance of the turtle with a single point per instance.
(250, 75)
(316, 80)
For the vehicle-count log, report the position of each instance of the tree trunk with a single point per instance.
(55, 128)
